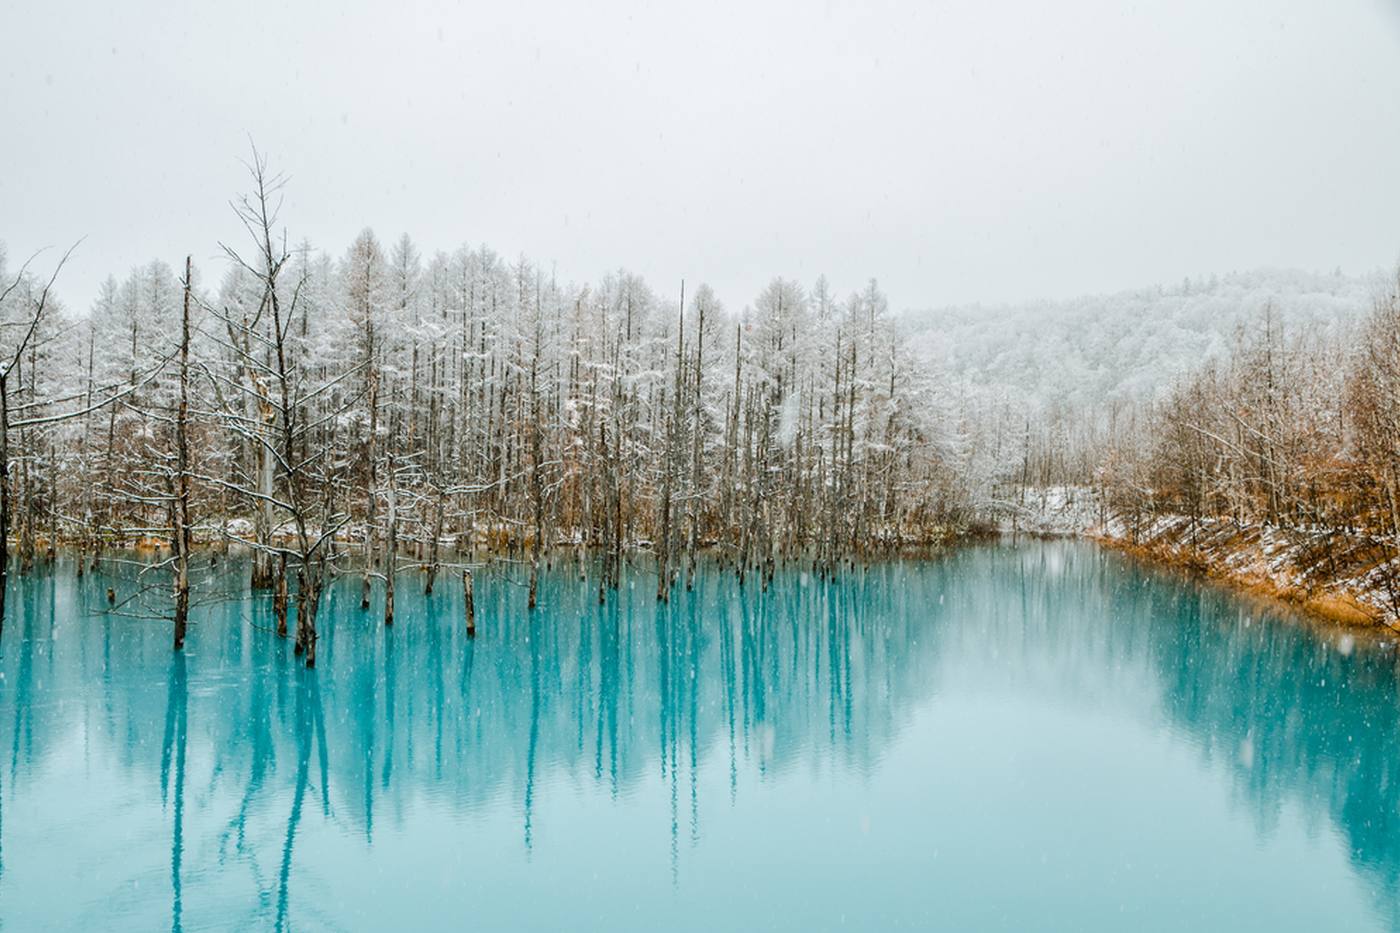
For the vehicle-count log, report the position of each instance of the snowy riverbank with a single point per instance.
(1343, 577)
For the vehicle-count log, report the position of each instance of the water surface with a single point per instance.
(1043, 736)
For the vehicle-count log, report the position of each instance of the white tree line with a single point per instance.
(380, 409)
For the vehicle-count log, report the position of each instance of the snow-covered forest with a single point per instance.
(1062, 380)
(1132, 346)
(1296, 431)
(1209, 417)
(381, 410)
(378, 407)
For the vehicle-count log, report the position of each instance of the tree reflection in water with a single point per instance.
(255, 750)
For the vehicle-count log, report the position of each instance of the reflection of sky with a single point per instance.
(976, 743)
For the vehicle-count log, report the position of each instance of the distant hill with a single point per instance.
(1129, 346)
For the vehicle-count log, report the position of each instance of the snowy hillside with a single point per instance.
(1129, 346)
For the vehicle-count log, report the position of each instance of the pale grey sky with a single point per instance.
(956, 150)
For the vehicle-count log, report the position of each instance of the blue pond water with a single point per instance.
(1043, 736)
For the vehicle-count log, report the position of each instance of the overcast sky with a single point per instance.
(958, 151)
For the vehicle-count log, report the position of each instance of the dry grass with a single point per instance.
(1248, 559)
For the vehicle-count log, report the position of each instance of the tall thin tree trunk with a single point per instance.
(370, 490)
(180, 507)
(279, 596)
(435, 544)
(391, 543)
(4, 494)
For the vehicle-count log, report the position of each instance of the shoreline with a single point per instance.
(1258, 562)
(487, 547)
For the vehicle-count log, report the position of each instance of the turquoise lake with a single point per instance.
(1040, 736)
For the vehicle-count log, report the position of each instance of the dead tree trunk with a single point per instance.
(697, 451)
(4, 493)
(434, 545)
(391, 543)
(279, 596)
(469, 604)
(370, 490)
(180, 503)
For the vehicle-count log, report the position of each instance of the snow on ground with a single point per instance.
(1051, 511)
(1307, 565)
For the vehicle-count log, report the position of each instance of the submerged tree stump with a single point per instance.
(279, 596)
(469, 603)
